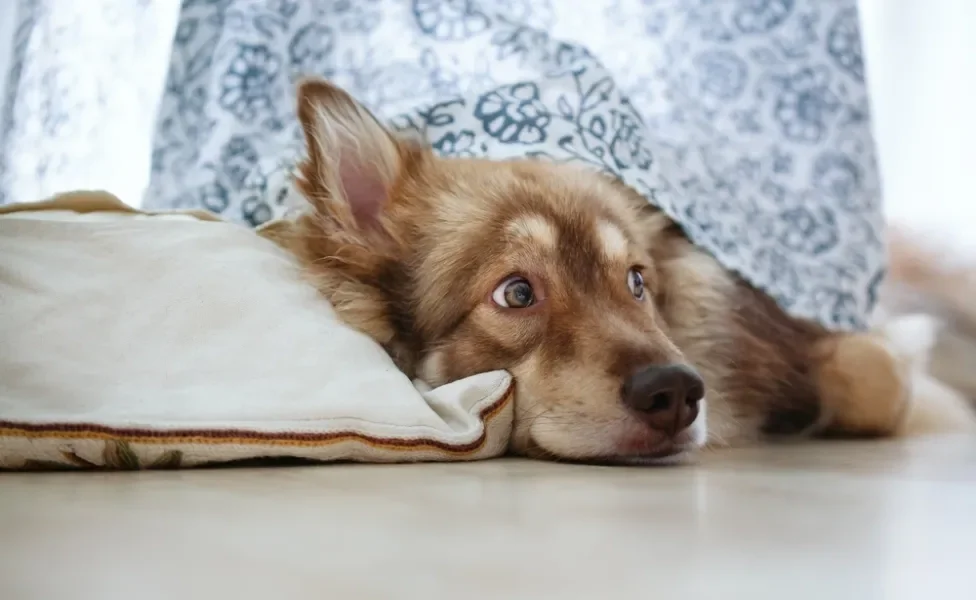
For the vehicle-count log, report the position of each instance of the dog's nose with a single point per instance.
(666, 397)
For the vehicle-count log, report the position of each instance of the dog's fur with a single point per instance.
(409, 247)
(925, 278)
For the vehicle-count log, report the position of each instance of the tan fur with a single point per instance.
(941, 282)
(613, 241)
(410, 247)
(536, 229)
(861, 384)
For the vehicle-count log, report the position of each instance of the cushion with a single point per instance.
(137, 340)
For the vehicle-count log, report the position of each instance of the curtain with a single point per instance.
(82, 82)
(747, 120)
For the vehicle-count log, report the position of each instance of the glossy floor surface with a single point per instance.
(853, 520)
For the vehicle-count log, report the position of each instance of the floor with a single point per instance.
(849, 520)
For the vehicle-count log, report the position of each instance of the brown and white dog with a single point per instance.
(627, 342)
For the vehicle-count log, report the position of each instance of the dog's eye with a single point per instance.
(636, 283)
(514, 292)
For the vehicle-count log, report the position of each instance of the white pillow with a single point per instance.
(131, 340)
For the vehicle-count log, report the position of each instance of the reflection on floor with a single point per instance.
(854, 520)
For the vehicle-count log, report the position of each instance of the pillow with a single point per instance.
(133, 340)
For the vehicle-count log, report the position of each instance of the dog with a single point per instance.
(928, 295)
(628, 343)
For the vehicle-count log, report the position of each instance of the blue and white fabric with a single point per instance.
(747, 121)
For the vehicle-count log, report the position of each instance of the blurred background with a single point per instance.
(89, 121)
(921, 61)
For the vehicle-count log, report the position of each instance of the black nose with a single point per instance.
(666, 397)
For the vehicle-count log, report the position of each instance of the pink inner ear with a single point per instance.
(363, 187)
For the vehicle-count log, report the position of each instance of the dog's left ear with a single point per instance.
(353, 161)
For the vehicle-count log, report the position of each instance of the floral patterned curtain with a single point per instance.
(747, 120)
(83, 82)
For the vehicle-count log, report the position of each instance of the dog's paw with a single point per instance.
(864, 386)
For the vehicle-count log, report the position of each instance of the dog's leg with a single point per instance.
(863, 387)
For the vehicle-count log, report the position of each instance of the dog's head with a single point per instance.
(461, 266)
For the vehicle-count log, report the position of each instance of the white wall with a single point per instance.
(921, 61)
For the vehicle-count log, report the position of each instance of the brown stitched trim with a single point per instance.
(238, 436)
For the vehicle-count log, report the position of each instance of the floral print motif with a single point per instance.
(255, 210)
(627, 146)
(722, 74)
(569, 58)
(449, 19)
(514, 114)
(245, 85)
(805, 106)
(311, 46)
(455, 144)
(745, 120)
(117, 455)
(844, 43)
(787, 285)
(760, 16)
(838, 177)
(810, 230)
(213, 197)
(353, 16)
(238, 158)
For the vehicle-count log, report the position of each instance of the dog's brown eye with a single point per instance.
(514, 292)
(636, 283)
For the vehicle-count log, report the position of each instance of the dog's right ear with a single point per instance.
(353, 161)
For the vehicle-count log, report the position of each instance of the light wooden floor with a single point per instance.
(856, 520)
